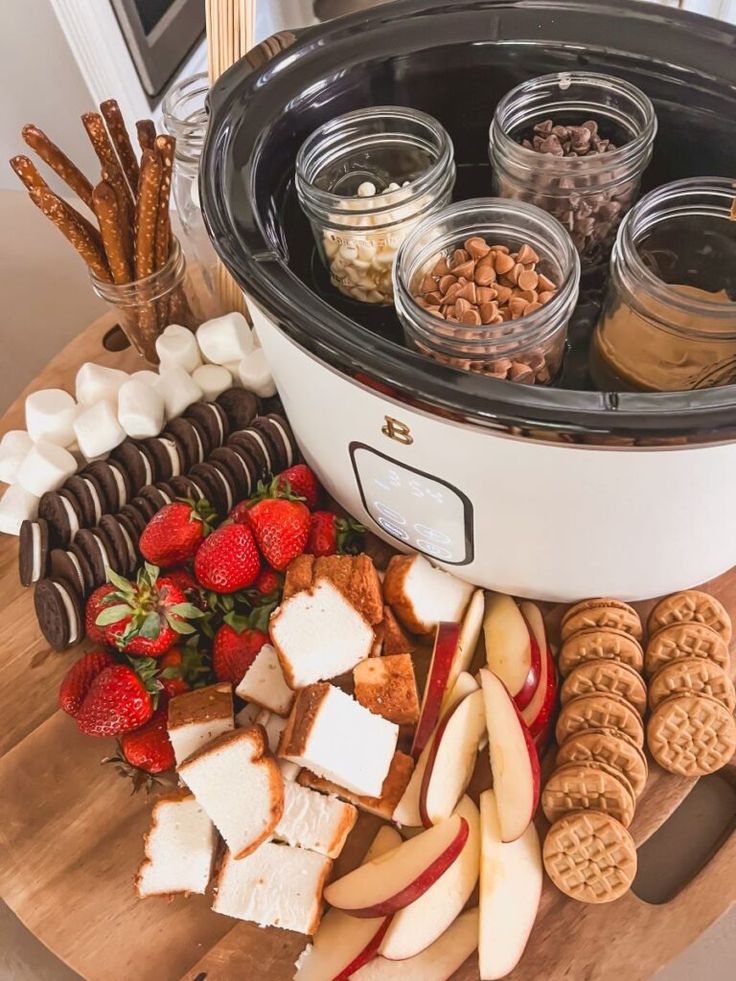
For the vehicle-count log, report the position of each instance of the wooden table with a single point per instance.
(71, 833)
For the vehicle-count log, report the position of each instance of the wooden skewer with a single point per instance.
(66, 220)
(59, 162)
(121, 140)
(107, 210)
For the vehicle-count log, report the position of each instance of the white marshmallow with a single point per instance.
(149, 377)
(45, 468)
(177, 348)
(225, 338)
(14, 448)
(95, 382)
(50, 415)
(255, 375)
(98, 430)
(213, 379)
(234, 368)
(16, 506)
(178, 391)
(140, 409)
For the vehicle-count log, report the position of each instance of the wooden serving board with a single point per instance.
(71, 833)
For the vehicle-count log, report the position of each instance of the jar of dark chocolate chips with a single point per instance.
(576, 145)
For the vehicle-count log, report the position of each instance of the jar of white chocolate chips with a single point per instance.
(364, 180)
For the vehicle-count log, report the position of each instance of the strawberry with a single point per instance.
(300, 481)
(235, 648)
(147, 616)
(186, 582)
(239, 514)
(228, 560)
(95, 605)
(78, 679)
(268, 581)
(117, 701)
(179, 669)
(329, 534)
(281, 528)
(174, 534)
(149, 747)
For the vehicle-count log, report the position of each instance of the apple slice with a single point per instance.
(437, 963)
(452, 754)
(512, 652)
(418, 925)
(446, 641)
(510, 890)
(514, 761)
(407, 810)
(392, 881)
(539, 710)
(470, 629)
(343, 944)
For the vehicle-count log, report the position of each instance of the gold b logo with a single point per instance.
(395, 429)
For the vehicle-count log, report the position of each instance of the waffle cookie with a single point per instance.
(606, 676)
(591, 785)
(598, 644)
(694, 675)
(691, 735)
(590, 857)
(607, 746)
(604, 614)
(685, 640)
(599, 711)
(691, 606)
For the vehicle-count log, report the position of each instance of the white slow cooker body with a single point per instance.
(549, 521)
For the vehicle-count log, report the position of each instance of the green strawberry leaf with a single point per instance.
(187, 610)
(113, 614)
(260, 616)
(180, 626)
(237, 621)
(151, 627)
(124, 585)
(171, 672)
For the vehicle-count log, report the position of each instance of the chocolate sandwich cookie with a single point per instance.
(33, 551)
(113, 479)
(71, 567)
(158, 495)
(285, 437)
(183, 488)
(241, 407)
(144, 507)
(59, 613)
(88, 493)
(126, 555)
(255, 445)
(267, 431)
(215, 487)
(191, 441)
(98, 551)
(86, 569)
(213, 420)
(227, 484)
(135, 522)
(167, 456)
(241, 467)
(137, 462)
(63, 515)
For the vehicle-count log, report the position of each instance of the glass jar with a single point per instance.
(669, 318)
(148, 305)
(589, 194)
(364, 180)
(529, 349)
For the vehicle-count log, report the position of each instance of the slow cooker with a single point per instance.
(552, 492)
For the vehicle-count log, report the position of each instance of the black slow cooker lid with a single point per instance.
(407, 51)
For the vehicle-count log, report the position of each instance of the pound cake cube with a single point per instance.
(331, 734)
(384, 805)
(395, 640)
(422, 596)
(276, 886)
(318, 635)
(179, 848)
(314, 821)
(199, 716)
(274, 726)
(354, 575)
(264, 683)
(387, 687)
(236, 780)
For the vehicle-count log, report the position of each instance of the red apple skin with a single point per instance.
(543, 739)
(367, 953)
(446, 641)
(426, 776)
(533, 760)
(546, 710)
(526, 693)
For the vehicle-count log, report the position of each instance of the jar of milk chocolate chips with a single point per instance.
(576, 144)
(364, 179)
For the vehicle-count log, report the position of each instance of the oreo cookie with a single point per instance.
(87, 571)
(167, 456)
(271, 436)
(99, 552)
(228, 486)
(63, 515)
(59, 613)
(216, 486)
(89, 496)
(72, 567)
(126, 555)
(242, 469)
(113, 480)
(284, 436)
(241, 407)
(258, 448)
(191, 440)
(158, 495)
(184, 487)
(33, 551)
(136, 461)
(213, 420)
(144, 508)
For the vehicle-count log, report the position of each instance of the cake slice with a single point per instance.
(318, 635)
(264, 683)
(395, 639)
(274, 726)
(354, 575)
(199, 716)
(384, 805)
(179, 848)
(387, 687)
(314, 821)
(276, 886)
(422, 596)
(238, 783)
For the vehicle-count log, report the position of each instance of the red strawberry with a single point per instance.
(329, 534)
(149, 747)
(179, 669)
(268, 581)
(281, 528)
(228, 560)
(117, 701)
(95, 605)
(239, 514)
(146, 617)
(186, 582)
(300, 480)
(78, 679)
(174, 534)
(234, 651)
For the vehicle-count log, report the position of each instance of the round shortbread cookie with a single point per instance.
(685, 640)
(691, 606)
(696, 675)
(590, 857)
(609, 746)
(607, 676)
(604, 614)
(588, 786)
(596, 644)
(691, 735)
(599, 712)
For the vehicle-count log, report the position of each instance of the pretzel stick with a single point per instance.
(147, 214)
(146, 134)
(113, 176)
(105, 201)
(59, 162)
(67, 221)
(95, 127)
(25, 168)
(166, 146)
(121, 140)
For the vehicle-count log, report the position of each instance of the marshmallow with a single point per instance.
(225, 338)
(140, 409)
(234, 368)
(45, 468)
(95, 382)
(16, 506)
(149, 377)
(14, 447)
(255, 376)
(50, 416)
(213, 379)
(177, 348)
(178, 391)
(98, 430)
